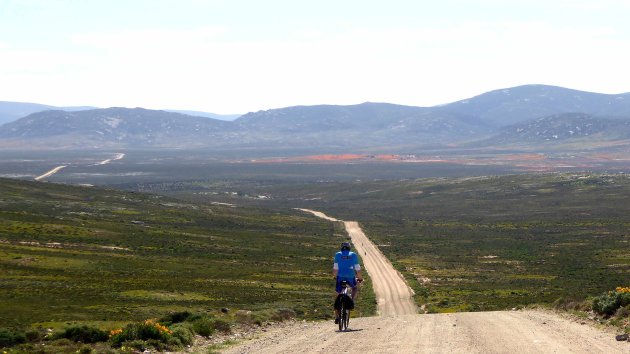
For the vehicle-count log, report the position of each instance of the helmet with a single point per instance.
(345, 246)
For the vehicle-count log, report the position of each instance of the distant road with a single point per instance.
(116, 157)
(50, 173)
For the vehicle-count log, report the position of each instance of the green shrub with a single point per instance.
(608, 303)
(175, 317)
(184, 333)
(222, 325)
(34, 336)
(173, 342)
(84, 334)
(158, 344)
(203, 326)
(195, 316)
(141, 331)
(9, 337)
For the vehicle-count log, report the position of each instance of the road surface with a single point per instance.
(50, 173)
(511, 332)
(116, 157)
(399, 330)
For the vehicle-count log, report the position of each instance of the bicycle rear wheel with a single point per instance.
(346, 320)
(342, 314)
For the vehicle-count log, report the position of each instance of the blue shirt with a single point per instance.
(346, 262)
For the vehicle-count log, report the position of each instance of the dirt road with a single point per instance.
(392, 293)
(116, 157)
(514, 332)
(50, 173)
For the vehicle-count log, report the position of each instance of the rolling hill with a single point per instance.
(11, 111)
(520, 115)
(561, 128)
(523, 103)
(114, 127)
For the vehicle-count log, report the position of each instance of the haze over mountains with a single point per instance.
(528, 115)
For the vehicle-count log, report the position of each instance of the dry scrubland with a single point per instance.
(85, 256)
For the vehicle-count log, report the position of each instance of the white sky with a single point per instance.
(235, 56)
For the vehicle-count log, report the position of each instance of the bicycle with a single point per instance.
(346, 304)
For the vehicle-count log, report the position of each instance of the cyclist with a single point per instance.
(346, 267)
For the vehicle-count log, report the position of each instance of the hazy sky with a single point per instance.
(235, 56)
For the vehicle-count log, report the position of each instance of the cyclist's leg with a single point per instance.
(336, 298)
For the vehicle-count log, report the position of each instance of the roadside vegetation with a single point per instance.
(77, 262)
(610, 308)
(480, 243)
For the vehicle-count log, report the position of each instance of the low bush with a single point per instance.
(184, 333)
(222, 325)
(34, 336)
(283, 315)
(623, 312)
(203, 326)
(10, 337)
(607, 304)
(570, 304)
(142, 331)
(245, 317)
(175, 317)
(84, 334)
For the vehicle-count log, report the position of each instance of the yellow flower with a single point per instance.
(621, 289)
(115, 332)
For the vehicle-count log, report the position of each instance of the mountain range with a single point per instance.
(12, 111)
(528, 115)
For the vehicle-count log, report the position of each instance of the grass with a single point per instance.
(77, 255)
(477, 243)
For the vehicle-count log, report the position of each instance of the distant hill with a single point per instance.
(363, 125)
(519, 104)
(10, 111)
(562, 128)
(524, 115)
(114, 127)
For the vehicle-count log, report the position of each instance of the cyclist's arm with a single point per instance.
(336, 267)
(357, 267)
(357, 271)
